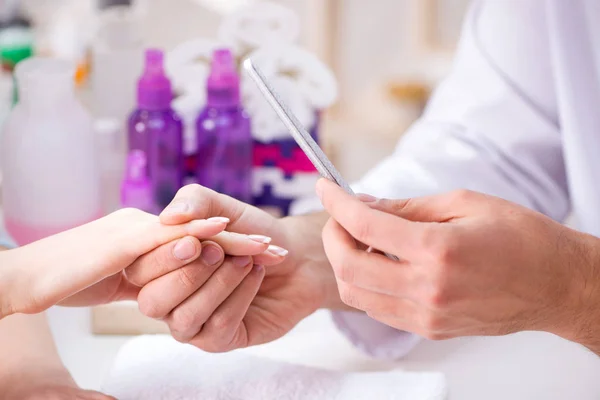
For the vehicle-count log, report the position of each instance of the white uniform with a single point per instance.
(518, 117)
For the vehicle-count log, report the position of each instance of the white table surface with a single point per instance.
(528, 365)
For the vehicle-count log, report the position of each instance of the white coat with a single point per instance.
(518, 117)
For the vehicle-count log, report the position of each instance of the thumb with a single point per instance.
(437, 208)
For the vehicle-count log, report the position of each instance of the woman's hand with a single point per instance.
(470, 264)
(47, 387)
(84, 266)
(239, 305)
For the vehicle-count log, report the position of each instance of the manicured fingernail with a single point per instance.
(278, 251)
(219, 220)
(366, 198)
(211, 255)
(185, 249)
(241, 261)
(178, 207)
(260, 239)
(258, 269)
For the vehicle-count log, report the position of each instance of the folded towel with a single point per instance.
(159, 368)
(259, 24)
(303, 81)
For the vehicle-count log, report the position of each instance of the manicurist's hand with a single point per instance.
(86, 265)
(470, 264)
(240, 305)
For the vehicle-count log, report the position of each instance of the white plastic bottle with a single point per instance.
(51, 179)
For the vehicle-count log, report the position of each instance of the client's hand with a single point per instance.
(238, 305)
(48, 387)
(85, 265)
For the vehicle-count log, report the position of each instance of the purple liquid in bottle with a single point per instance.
(156, 129)
(224, 134)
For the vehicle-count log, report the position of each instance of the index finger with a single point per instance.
(385, 232)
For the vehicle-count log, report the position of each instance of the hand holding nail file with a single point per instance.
(302, 137)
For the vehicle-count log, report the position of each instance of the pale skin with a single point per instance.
(126, 255)
(470, 265)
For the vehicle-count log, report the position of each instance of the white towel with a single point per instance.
(302, 80)
(158, 368)
(259, 24)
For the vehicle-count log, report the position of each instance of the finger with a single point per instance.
(165, 259)
(438, 208)
(154, 234)
(198, 202)
(380, 230)
(225, 330)
(370, 271)
(187, 319)
(378, 303)
(160, 296)
(258, 246)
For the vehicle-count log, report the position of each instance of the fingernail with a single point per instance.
(219, 220)
(258, 269)
(319, 189)
(366, 198)
(260, 239)
(184, 250)
(178, 207)
(278, 251)
(241, 261)
(210, 255)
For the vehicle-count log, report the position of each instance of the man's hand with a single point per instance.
(253, 307)
(470, 264)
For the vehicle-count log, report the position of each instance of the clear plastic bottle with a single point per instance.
(51, 179)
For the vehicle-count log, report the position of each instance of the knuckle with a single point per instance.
(344, 269)
(436, 336)
(432, 323)
(437, 297)
(461, 196)
(221, 322)
(225, 280)
(362, 229)
(182, 322)
(349, 297)
(149, 307)
(187, 278)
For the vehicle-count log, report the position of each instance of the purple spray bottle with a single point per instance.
(224, 135)
(156, 129)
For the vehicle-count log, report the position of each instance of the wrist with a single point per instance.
(579, 316)
(303, 238)
(18, 381)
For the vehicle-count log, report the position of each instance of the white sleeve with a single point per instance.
(491, 126)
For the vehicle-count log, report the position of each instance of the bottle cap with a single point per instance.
(154, 87)
(223, 82)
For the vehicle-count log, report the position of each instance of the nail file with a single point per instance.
(299, 133)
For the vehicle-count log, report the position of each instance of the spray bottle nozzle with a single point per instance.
(154, 62)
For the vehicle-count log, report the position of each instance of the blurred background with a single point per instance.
(356, 72)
